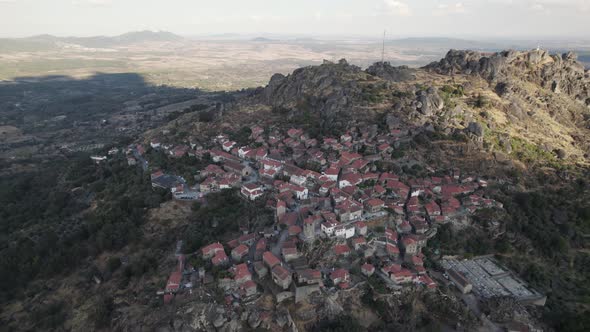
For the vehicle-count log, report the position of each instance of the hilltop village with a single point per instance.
(338, 219)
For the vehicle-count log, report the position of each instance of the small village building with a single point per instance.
(239, 252)
(220, 258)
(252, 191)
(341, 250)
(339, 275)
(360, 228)
(247, 239)
(281, 276)
(270, 260)
(238, 168)
(241, 273)
(309, 276)
(402, 276)
(211, 250)
(358, 242)
(294, 230)
(350, 179)
(173, 284)
(367, 269)
(374, 205)
(410, 245)
(329, 227)
(248, 289)
(427, 281)
(459, 279)
(290, 254)
(392, 249)
(227, 146)
(344, 231)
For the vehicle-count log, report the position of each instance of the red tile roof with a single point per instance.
(249, 284)
(375, 202)
(392, 249)
(215, 247)
(219, 258)
(241, 250)
(294, 230)
(261, 244)
(280, 272)
(339, 274)
(174, 281)
(368, 267)
(359, 240)
(241, 271)
(270, 259)
(341, 249)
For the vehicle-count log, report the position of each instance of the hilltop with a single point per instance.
(204, 221)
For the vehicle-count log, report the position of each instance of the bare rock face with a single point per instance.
(471, 62)
(558, 73)
(388, 72)
(329, 88)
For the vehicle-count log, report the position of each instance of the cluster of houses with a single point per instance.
(325, 189)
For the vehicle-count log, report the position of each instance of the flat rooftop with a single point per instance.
(490, 279)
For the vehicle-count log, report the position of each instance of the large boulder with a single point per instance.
(475, 128)
(429, 102)
(330, 90)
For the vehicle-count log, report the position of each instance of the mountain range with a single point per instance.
(50, 42)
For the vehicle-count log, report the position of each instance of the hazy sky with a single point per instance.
(485, 18)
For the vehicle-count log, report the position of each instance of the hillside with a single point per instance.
(507, 133)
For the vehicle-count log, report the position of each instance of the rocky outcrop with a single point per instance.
(390, 73)
(330, 89)
(558, 73)
(471, 62)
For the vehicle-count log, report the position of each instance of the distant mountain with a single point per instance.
(262, 39)
(49, 42)
(147, 36)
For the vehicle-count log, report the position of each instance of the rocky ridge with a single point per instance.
(559, 73)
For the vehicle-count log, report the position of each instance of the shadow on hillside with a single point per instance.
(45, 97)
(50, 96)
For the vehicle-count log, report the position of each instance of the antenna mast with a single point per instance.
(383, 49)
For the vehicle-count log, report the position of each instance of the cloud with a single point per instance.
(395, 7)
(98, 3)
(546, 6)
(537, 7)
(444, 9)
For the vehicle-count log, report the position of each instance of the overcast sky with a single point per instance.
(401, 18)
